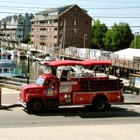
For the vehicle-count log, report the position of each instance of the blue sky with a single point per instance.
(107, 11)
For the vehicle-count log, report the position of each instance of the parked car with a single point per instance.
(50, 58)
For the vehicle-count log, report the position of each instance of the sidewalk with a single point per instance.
(131, 98)
(9, 98)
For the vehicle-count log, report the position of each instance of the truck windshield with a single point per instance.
(40, 81)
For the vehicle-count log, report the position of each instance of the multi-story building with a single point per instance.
(62, 27)
(15, 29)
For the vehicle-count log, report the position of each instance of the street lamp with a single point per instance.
(85, 35)
(136, 33)
(28, 57)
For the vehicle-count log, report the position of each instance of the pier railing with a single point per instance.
(13, 82)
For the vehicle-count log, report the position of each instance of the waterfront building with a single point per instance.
(61, 27)
(15, 29)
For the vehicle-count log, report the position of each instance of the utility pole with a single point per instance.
(64, 35)
(85, 35)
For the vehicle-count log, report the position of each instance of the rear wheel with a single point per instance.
(108, 106)
(99, 104)
(35, 106)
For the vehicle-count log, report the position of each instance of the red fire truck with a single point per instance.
(69, 82)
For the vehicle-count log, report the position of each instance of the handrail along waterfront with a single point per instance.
(13, 81)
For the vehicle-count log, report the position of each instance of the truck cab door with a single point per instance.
(51, 89)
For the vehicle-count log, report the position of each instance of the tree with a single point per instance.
(135, 42)
(29, 42)
(98, 33)
(118, 37)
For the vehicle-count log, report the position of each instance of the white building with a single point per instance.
(15, 29)
(128, 54)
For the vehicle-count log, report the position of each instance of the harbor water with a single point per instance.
(35, 69)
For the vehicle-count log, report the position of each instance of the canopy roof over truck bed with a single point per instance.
(95, 62)
(82, 63)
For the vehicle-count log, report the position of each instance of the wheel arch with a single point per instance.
(100, 103)
(100, 96)
(36, 98)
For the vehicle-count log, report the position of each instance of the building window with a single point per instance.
(74, 38)
(75, 14)
(20, 30)
(19, 36)
(75, 22)
(51, 21)
(20, 23)
(42, 37)
(87, 22)
(49, 29)
(75, 30)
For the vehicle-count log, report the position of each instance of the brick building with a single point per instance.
(62, 27)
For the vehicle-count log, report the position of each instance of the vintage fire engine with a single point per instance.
(72, 82)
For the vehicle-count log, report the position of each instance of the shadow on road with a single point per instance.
(87, 112)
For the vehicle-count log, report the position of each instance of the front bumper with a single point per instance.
(24, 104)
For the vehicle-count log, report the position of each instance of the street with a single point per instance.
(118, 123)
(18, 117)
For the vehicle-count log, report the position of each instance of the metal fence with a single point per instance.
(13, 82)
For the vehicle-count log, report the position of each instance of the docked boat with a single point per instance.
(13, 53)
(21, 54)
(48, 59)
(7, 65)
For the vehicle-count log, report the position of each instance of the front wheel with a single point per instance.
(99, 104)
(35, 106)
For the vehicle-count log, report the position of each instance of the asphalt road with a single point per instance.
(119, 123)
(118, 114)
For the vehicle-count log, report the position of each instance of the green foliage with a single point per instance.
(29, 42)
(118, 37)
(135, 42)
(95, 45)
(98, 33)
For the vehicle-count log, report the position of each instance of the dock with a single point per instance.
(39, 59)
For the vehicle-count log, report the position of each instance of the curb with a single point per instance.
(9, 106)
(19, 105)
(128, 103)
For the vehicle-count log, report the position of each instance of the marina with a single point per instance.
(7, 65)
(35, 69)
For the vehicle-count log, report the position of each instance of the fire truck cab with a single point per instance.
(70, 83)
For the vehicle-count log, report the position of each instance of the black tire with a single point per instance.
(99, 104)
(35, 106)
(108, 106)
